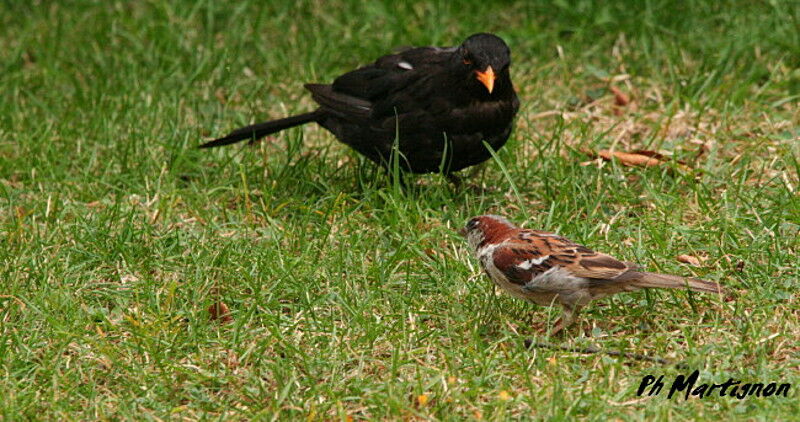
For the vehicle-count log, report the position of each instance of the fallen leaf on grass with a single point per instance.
(637, 158)
(220, 94)
(219, 311)
(689, 259)
(432, 253)
(21, 212)
(620, 98)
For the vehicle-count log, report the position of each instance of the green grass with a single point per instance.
(349, 296)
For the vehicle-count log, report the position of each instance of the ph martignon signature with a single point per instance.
(730, 388)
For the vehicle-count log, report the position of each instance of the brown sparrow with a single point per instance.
(545, 268)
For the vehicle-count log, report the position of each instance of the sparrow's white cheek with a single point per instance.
(487, 251)
(486, 257)
(474, 238)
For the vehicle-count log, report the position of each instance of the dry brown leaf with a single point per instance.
(620, 98)
(219, 311)
(21, 212)
(637, 158)
(432, 253)
(689, 259)
(220, 94)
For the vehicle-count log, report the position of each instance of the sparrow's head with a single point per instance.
(487, 58)
(486, 229)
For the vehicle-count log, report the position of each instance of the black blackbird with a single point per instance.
(442, 102)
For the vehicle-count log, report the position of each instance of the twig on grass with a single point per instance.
(529, 344)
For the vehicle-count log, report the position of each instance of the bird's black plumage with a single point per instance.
(442, 102)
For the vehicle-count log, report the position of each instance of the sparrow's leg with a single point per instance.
(568, 316)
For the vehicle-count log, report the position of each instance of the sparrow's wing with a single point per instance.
(581, 261)
(519, 264)
(531, 253)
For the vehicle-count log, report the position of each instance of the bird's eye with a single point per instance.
(472, 224)
(467, 61)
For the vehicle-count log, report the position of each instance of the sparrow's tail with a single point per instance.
(260, 130)
(665, 281)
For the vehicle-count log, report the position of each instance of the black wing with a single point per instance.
(379, 90)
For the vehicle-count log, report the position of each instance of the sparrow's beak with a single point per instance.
(463, 231)
(487, 78)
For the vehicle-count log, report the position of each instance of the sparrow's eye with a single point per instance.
(472, 224)
(467, 61)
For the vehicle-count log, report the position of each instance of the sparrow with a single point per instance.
(436, 105)
(545, 268)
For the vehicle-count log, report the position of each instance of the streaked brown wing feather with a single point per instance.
(599, 266)
(508, 259)
(578, 259)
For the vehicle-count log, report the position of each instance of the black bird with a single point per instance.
(437, 105)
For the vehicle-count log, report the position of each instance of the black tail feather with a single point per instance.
(260, 130)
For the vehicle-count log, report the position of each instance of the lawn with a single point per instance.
(347, 295)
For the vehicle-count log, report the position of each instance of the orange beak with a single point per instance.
(487, 78)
